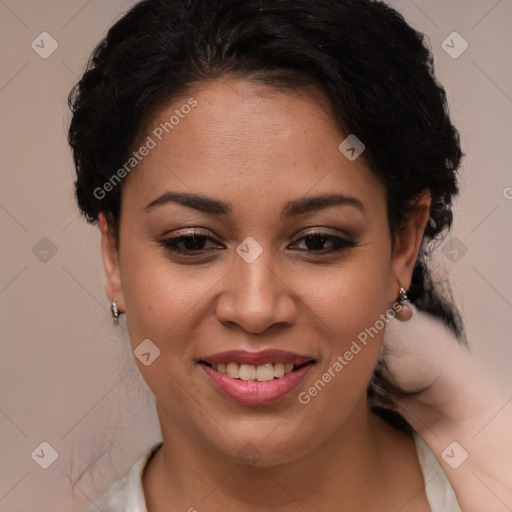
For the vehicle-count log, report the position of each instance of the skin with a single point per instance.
(257, 148)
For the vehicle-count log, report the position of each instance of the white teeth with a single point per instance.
(279, 370)
(247, 372)
(233, 370)
(260, 373)
(265, 372)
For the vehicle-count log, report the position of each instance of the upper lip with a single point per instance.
(257, 358)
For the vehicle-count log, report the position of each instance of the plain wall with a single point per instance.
(67, 375)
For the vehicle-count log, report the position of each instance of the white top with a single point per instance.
(127, 494)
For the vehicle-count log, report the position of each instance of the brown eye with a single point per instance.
(187, 244)
(316, 243)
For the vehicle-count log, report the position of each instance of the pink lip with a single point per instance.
(255, 392)
(257, 358)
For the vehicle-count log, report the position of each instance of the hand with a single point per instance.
(462, 402)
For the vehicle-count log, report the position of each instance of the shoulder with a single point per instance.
(126, 494)
(440, 493)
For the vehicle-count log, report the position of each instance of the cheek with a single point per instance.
(350, 297)
(161, 297)
(351, 302)
(165, 303)
(341, 379)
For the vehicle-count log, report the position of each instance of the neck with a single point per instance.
(190, 475)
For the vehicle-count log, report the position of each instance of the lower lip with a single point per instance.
(255, 392)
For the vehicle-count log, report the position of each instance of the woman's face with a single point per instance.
(271, 268)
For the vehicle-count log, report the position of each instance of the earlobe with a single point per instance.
(408, 241)
(110, 258)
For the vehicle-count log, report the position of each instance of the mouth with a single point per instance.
(256, 378)
(249, 372)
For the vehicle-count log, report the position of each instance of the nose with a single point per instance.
(255, 297)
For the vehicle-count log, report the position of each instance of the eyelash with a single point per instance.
(171, 244)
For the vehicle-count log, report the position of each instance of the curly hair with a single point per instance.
(374, 69)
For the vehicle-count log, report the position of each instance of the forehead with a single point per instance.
(248, 140)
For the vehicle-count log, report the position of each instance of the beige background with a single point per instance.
(67, 377)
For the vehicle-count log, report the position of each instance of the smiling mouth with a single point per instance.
(261, 373)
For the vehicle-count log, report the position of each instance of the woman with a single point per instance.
(267, 176)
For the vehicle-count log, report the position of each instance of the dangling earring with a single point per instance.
(405, 312)
(115, 311)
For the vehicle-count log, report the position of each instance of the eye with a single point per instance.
(187, 244)
(194, 243)
(316, 242)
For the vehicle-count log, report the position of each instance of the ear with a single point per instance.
(110, 257)
(408, 240)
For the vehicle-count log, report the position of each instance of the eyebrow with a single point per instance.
(291, 208)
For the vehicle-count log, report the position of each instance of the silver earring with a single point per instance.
(405, 313)
(115, 311)
(402, 295)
